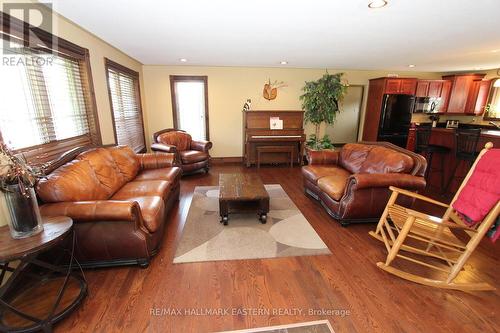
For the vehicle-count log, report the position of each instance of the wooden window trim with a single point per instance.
(110, 64)
(14, 29)
(187, 78)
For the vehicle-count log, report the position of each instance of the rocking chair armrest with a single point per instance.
(426, 218)
(417, 196)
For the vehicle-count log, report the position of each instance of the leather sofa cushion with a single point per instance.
(172, 174)
(315, 172)
(192, 156)
(334, 185)
(353, 155)
(105, 169)
(126, 161)
(142, 188)
(181, 140)
(361, 158)
(385, 160)
(74, 181)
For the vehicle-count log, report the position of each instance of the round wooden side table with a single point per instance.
(39, 292)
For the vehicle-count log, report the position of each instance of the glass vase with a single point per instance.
(21, 211)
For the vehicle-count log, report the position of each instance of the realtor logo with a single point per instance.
(39, 17)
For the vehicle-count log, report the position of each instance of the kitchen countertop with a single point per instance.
(484, 132)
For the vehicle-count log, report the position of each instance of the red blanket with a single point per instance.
(482, 191)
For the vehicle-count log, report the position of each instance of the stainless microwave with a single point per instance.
(427, 105)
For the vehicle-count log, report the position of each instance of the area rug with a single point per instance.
(320, 326)
(286, 233)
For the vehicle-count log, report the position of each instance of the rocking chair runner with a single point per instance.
(424, 239)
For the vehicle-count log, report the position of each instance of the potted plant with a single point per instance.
(321, 103)
(18, 203)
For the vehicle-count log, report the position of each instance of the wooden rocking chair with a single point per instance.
(426, 240)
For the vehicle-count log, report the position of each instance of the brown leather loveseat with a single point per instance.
(192, 154)
(353, 183)
(118, 201)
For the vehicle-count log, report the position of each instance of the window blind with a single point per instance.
(123, 86)
(46, 100)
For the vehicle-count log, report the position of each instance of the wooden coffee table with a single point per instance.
(239, 193)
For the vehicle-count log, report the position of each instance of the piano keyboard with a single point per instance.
(275, 136)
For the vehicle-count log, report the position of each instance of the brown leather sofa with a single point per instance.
(353, 183)
(118, 201)
(192, 155)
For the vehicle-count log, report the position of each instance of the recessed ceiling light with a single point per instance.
(377, 4)
(183, 60)
(495, 51)
(411, 65)
(284, 62)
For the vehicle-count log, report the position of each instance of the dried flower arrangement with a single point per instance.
(16, 171)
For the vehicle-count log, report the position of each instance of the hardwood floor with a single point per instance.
(127, 299)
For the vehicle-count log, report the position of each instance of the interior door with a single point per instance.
(345, 128)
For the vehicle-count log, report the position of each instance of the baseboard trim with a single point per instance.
(226, 160)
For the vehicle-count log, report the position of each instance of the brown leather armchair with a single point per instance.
(352, 184)
(192, 155)
(118, 201)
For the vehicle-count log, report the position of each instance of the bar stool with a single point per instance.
(465, 149)
(424, 148)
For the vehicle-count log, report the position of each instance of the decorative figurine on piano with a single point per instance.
(247, 105)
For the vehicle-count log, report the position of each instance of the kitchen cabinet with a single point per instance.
(408, 86)
(422, 88)
(482, 92)
(435, 87)
(392, 86)
(429, 88)
(445, 95)
(400, 86)
(464, 91)
(376, 90)
(470, 105)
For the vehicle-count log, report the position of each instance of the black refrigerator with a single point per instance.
(395, 118)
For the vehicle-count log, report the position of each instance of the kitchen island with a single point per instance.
(446, 137)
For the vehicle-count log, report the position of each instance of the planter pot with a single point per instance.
(21, 212)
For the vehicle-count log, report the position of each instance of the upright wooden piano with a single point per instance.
(258, 133)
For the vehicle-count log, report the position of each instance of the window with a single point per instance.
(190, 105)
(493, 105)
(46, 103)
(125, 99)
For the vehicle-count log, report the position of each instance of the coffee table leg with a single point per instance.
(264, 209)
(224, 212)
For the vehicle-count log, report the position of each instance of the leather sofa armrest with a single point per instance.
(156, 160)
(402, 180)
(201, 145)
(318, 157)
(98, 210)
(162, 147)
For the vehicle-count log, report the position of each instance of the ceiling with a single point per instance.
(444, 35)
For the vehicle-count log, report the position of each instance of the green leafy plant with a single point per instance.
(321, 101)
(318, 144)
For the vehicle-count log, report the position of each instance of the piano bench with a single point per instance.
(274, 149)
